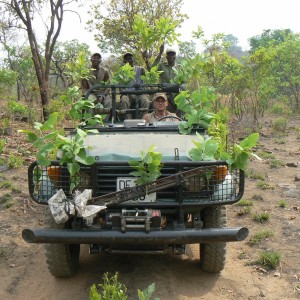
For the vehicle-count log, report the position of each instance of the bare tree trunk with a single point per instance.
(25, 11)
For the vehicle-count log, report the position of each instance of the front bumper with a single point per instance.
(114, 237)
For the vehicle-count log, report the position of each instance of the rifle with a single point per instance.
(178, 179)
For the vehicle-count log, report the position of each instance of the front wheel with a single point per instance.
(62, 259)
(213, 255)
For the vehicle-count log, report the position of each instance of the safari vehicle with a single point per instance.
(185, 205)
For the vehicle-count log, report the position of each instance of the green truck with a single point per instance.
(186, 205)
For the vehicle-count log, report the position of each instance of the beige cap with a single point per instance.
(171, 50)
(160, 95)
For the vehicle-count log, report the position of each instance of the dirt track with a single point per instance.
(25, 275)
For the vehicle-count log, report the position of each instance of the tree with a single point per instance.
(62, 54)
(186, 50)
(114, 21)
(7, 79)
(274, 37)
(233, 49)
(260, 79)
(25, 12)
(287, 69)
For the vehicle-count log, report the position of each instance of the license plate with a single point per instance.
(127, 182)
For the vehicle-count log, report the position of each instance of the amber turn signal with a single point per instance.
(220, 173)
(54, 174)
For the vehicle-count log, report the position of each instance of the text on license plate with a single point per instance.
(127, 182)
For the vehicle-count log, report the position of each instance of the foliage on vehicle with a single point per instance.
(49, 140)
(211, 149)
(147, 167)
(196, 107)
(152, 76)
(124, 75)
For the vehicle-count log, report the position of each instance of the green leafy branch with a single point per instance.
(123, 75)
(237, 157)
(49, 141)
(152, 76)
(147, 167)
(196, 108)
(81, 109)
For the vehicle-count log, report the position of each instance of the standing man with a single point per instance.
(160, 103)
(99, 75)
(169, 69)
(134, 101)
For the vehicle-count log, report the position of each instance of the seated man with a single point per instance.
(99, 75)
(160, 103)
(133, 101)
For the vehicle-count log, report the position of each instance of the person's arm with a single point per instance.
(106, 76)
(158, 58)
(84, 85)
(147, 118)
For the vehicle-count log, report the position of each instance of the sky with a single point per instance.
(243, 19)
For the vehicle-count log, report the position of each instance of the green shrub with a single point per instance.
(282, 203)
(7, 200)
(264, 186)
(6, 184)
(280, 125)
(259, 236)
(265, 155)
(245, 211)
(275, 163)
(262, 217)
(2, 145)
(278, 108)
(56, 106)
(245, 202)
(112, 289)
(269, 259)
(17, 109)
(280, 141)
(257, 175)
(15, 161)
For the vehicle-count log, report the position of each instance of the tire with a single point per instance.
(213, 255)
(62, 259)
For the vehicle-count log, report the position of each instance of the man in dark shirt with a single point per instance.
(169, 69)
(99, 75)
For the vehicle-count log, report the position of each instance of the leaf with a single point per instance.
(43, 161)
(50, 122)
(250, 141)
(84, 159)
(195, 154)
(32, 137)
(81, 133)
(211, 148)
(46, 148)
(241, 161)
(73, 168)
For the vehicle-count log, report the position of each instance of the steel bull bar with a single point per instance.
(114, 237)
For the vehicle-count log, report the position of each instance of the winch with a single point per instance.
(136, 219)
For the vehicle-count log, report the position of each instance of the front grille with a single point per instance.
(210, 186)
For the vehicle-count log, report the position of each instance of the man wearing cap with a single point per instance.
(160, 103)
(133, 101)
(169, 69)
(99, 75)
